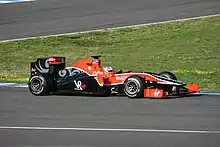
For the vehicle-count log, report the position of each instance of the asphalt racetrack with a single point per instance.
(53, 120)
(18, 108)
(46, 17)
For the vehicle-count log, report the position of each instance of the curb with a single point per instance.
(209, 93)
(13, 85)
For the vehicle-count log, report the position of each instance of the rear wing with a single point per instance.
(47, 65)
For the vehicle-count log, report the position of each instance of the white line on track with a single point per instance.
(115, 28)
(116, 130)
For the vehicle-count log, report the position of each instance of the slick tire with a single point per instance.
(168, 75)
(40, 85)
(134, 87)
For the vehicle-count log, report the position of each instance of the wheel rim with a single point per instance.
(132, 87)
(36, 85)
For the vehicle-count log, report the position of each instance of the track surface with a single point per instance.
(44, 17)
(19, 108)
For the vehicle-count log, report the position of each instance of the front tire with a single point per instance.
(168, 75)
(40, 85)
(134, 87)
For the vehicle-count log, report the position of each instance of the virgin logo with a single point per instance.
(78, 85)
(157, 93)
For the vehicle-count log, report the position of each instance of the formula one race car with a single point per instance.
(50, 75)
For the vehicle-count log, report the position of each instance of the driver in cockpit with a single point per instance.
(108, 69)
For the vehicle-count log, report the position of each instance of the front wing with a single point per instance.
(160, 93)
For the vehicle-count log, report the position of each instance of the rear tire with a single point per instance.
(40, 85)
(134, 87)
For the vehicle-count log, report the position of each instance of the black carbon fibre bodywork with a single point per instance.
(65, 79)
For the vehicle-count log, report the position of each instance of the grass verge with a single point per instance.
(190, 49)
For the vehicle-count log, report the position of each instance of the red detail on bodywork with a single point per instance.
(193, 88)
(87, 66)
(100, 79)
(83, 86)
(33, 69)
(153, 93)
(53, 61)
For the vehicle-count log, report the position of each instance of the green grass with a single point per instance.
(190, 49)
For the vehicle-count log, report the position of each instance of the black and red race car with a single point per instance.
(50, 75)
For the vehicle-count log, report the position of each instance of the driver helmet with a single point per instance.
(108, 69)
